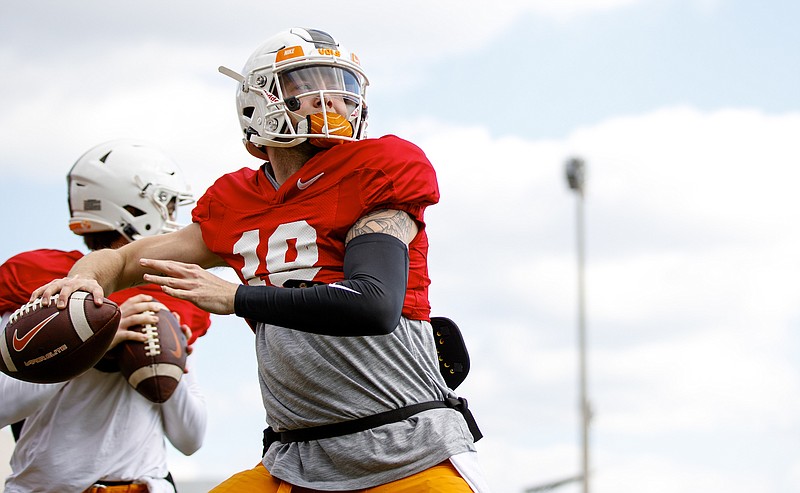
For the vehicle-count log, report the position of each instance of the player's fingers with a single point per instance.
(47, 291)
(62, 296)
(138, 298)
(132, 335)
(166, 266)
(160, 280)
(181, 294)
(97, 294)
(141, 318)
(170, 285)
(187, 331)
(134, 303)
(38, 292)
(62, 289)
(145, 306)
(130, 307)
(127, 335)
(154, 279)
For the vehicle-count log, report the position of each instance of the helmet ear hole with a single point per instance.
(248, 111)
(134, 211)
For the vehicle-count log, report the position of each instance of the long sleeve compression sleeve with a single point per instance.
(369, 301)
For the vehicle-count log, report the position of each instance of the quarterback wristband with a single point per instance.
(369, 301)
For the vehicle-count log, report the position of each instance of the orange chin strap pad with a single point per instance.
(337, 125)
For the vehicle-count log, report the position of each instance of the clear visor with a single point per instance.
(334, 84)
(313, 79)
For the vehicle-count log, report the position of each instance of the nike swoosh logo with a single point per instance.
(19, 344)
(302, 185)
(343, 288)
(336, 130)
(178, 351)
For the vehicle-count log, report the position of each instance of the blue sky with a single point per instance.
(626, 61)
(687, 113)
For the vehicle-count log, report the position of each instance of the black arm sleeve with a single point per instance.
(368, 301)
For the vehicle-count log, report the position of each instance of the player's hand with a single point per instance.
(187, 331)
(136, 310)
(192, 283)
(64, 287)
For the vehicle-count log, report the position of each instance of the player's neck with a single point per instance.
(286, 161)
(282, 171)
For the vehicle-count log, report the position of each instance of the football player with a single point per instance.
(328, 238)
(95, 432)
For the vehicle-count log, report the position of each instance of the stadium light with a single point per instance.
(576, 179)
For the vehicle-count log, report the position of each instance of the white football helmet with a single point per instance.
(284, 71)
(125, 186)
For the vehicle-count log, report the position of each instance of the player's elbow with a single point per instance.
(189, 446)
(189, 440)
(382, 318)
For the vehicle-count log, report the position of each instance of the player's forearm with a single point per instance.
(108, 268)
(185, 416)
(21, 399)
(120, 268)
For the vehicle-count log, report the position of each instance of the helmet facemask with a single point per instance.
(332, 91)
(165, 200)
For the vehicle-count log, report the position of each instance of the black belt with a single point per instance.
(369, 422)
(125, 483)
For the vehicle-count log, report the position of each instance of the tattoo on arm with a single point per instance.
(388, 221)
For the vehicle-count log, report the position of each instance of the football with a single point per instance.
(43, 344)
(155, 367)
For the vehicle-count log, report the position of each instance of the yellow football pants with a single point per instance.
(442, 478)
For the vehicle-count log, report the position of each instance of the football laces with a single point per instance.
(153, 346)
(29, 307)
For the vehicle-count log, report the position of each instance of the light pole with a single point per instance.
(576, 178)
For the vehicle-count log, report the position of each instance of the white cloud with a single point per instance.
(136, 94)
(655, 474)
(691, 299)
(394, 46)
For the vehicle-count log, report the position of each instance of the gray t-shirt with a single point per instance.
(310, 380)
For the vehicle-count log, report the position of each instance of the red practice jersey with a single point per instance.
(23, 273)
(298, 231)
